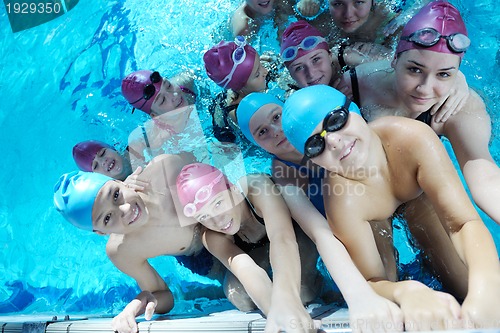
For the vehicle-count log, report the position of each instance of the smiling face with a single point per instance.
(260, 7)
(257, 80)
(169, 98)
(346, 150)
(266, 129)
(110, 163)
(118, 209)
(312, 69)
(350, 15)
(424, 77)
(223, 212)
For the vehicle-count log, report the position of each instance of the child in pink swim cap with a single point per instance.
(97, 156)
(247, 231)
(310, 61)
(153, 94)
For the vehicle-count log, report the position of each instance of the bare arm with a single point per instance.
(155, 297)
(286, 307)
(253, 278)
(367, 310)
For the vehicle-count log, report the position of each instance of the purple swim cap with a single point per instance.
(295, 33)
(439, 15)
(133, 89)
(85, 152)
(221, 66)
(197, 183)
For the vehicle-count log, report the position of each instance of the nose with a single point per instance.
(349, 11)
(125, 208)
(332, 140)
(425, 85)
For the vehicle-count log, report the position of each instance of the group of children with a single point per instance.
(348, 155)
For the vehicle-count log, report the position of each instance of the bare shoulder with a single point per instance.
(120, 251)
(401, 132)
(240, 21)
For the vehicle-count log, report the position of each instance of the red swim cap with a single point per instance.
(439, 15)
(133, 89)
(219, 63)
(295, 33)
(85, 152)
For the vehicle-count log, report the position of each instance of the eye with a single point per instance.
(116, 194)
(444, 75)
(101, 152)
(414, 69)
(162, 100)
(276, 117)
(202, 218)
(94, 165)
(262, 132)
(107, 218)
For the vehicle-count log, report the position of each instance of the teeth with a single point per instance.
(136, 214)
(227, 225)
(347, 152)
(111, 165)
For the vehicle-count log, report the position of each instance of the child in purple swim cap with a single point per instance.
(155, 95)
(424, 82)
(234, 66)
(310, 61)
(97, 156)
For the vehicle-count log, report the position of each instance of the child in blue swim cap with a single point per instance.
(259, 117)
(141, 225)
(376, 167)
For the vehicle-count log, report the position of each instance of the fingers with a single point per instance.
(150, 310)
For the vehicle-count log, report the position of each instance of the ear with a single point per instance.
(394, 61)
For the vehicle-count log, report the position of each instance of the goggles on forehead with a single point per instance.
(428, 37)
(149, 90)
(239, 55)
(334, 121)
(308, 43)
(202, 195)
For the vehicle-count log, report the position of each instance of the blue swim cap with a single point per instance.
(306, 108)
(247, 108)
(74, 196)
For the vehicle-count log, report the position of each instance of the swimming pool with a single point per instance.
(61, 85)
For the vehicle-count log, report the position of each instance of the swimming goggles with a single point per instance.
(308, 43)
(239, 55)
(334, 121)
(428, 37)
(149, 90)
(202, 195)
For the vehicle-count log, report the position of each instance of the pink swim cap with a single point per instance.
(439, 15)
(294, 34)
(220, 64)
(133, 89)
(197, 183)
(85, 152)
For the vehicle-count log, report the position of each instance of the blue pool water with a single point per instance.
(60, 84)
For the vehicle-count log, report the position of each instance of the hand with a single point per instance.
(453, 102)
(374, 313)
(125, 322)
(290, 316)
(134, 182)
(308, 8)
(481, 309)
(425, 309)
(344, 88)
